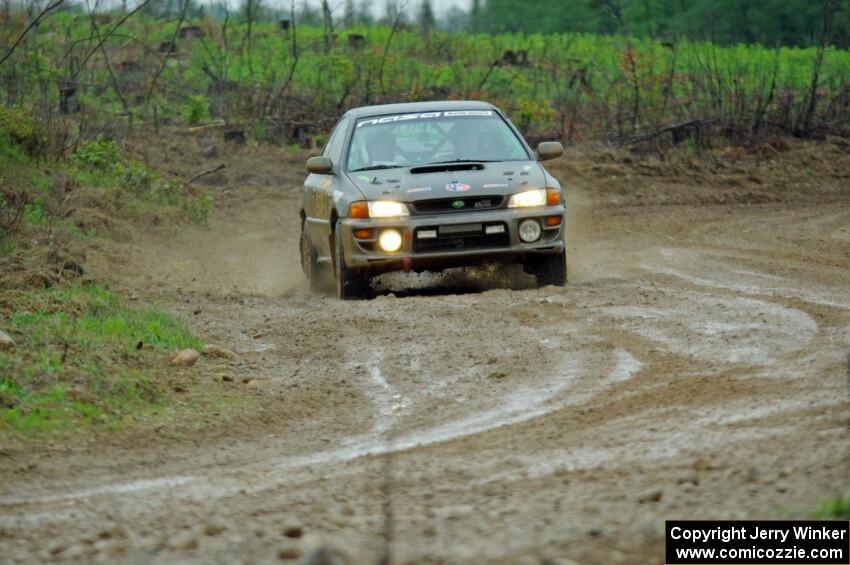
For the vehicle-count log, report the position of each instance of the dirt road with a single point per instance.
(695, 367)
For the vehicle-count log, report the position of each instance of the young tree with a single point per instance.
(455, 19)
(308, 15)
(426, 16)
(328, 25)
(475, 16)
(393, 13)
(364, 12)
(349, 15)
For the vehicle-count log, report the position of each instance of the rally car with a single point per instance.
(429, 186)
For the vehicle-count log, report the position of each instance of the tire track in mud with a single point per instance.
(567, 383)
(467, 383)
(713, 270)
(573, 378)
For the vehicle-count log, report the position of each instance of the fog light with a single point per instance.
(530, 231)
(390, 241)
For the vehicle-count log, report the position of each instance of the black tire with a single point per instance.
(550, 269)
(310, 262)
(351, 284)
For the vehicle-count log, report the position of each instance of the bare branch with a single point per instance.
(205, 173)
(49, 8)
(108, 34)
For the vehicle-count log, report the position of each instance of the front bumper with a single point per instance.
(459, 249)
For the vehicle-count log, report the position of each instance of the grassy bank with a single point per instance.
(82, 356)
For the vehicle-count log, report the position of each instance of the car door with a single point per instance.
(318, 193)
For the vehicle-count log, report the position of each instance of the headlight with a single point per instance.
(387, 209)
(528, 198)
(390, 240)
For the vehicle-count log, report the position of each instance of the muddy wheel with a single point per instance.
(309, 262)
(351, 284)
(550, 269)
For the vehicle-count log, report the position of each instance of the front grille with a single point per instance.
(460, 242)
(470, 204)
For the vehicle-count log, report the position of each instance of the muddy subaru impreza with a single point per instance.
(425, 187)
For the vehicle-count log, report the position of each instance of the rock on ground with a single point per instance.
(186, 358)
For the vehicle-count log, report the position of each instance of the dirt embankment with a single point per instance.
(695, 367)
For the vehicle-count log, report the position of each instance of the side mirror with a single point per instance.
(549, 150)
(320, 165)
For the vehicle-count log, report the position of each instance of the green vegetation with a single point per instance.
(283, 83)
(22, 131)
(196, 109)
(28, 191)
(835, 509)
(82, 356)
(100, 164)
(769, 22)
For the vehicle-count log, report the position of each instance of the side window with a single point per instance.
(326, 150)
(338, 141)
(335, 142)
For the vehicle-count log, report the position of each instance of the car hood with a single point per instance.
(409, 185)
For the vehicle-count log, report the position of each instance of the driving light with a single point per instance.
(390, 241)
(530, 231)
(528, 198)
(387, 209)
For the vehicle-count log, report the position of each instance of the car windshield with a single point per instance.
(407, 140)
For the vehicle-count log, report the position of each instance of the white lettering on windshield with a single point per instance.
(423, 116)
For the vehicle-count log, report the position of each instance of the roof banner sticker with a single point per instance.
(424, 116)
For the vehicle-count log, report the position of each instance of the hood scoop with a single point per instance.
(446, 168)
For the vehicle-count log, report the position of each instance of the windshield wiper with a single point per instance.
(377, 168)
(459, 161)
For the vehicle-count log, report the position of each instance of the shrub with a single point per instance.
(197, 208)
(197, 109)
(13, 205)
(22, 129)
(34, 212)
(99, 155)
(137, 178)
